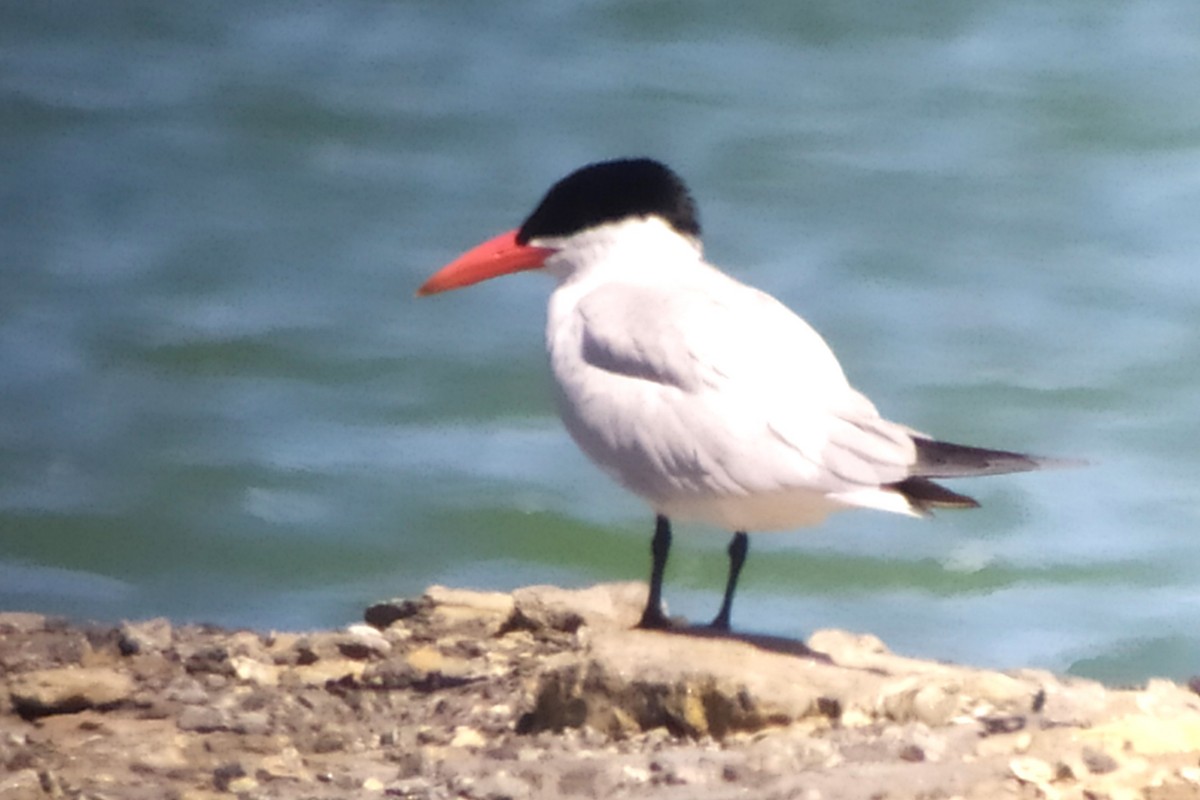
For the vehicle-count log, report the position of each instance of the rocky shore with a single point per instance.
(547, 693)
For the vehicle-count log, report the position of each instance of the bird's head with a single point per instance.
(607, 193)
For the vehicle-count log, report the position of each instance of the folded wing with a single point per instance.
(718, 389)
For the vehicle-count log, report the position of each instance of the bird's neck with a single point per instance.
(633, 250)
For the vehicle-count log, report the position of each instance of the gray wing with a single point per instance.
(729, 389)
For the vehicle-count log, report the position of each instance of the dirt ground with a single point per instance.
(546, 693)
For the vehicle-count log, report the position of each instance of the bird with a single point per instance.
(708, 398)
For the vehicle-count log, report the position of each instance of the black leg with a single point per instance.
(660, 547)
(737, 557)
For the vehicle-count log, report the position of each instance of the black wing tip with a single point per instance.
(937, 459)
(1055, 462)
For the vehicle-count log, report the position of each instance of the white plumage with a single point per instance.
(708, 398)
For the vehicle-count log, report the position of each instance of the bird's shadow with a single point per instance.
(767, 642)
(771, 644)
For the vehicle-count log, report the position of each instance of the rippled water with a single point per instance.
(220, 401)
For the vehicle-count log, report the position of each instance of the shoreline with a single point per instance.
(545, 692)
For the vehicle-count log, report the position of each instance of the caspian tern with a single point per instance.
(706, 397)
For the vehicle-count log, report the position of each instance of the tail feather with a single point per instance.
(924, 495)
(945, 460)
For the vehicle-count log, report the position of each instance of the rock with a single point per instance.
(23, 784)
(848, 649)
(630, 681)
(610, 605)
(211, 660)
(382, 615)
(463, 608)
(188, 691)
(1031, 770)
(433, 669)
(67, 690)
(225, 775)
(911, 699)
(1001, 745)
(635, 775)
(410, 788)
(696, 684)
(250, 670)
(501, 785)
(465, 736)
(324, 671)
(999, 691)
(682, 769)
(1069, 700)
(363, 642)
(250, 723)
(21, 622)
(161, 754)
(287, 763)
(499, 604)
(1148, 735)
(1098, 762)
(331, 741)
(201, 719)
(151, 636)
(242, 785)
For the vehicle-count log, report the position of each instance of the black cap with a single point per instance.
(609, 191)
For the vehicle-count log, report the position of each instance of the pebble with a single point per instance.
(286, 763)
(635, 775)
(251, 670)
(201, 719)
(151, 636)
(362, 642)
(425, 659)
(1190, 774)
(410, 788)
(846, 648)
(1002, 744)
(934, 705)
(465, 736)
(252, 723)
(224, 775)
(242, 785)
(210, 660)
(1031, 770)
(189, 692)
(501, 785)
(1098, 762)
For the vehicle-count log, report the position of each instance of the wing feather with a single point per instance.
(716, 387)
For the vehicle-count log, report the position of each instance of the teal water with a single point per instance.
(220, 401)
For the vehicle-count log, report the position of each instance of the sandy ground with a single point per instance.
(548, 693)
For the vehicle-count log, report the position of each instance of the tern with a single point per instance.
(708, 398)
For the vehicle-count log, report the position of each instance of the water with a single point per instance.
(220, 401)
